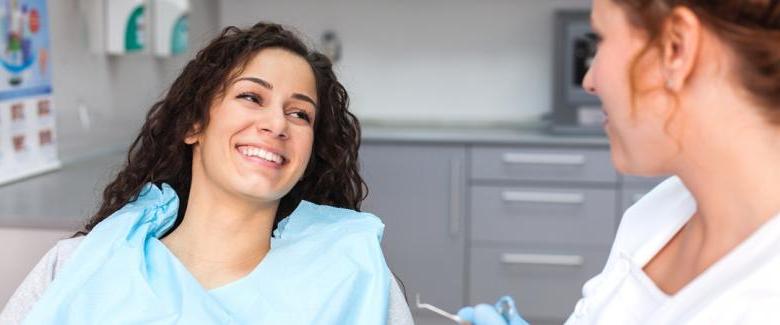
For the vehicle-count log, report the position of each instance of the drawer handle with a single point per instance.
(456, 177)
(542, 259)
(545, 159)
(536, 197)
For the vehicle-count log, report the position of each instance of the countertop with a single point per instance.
(62, 199)
(65, 198)
(484, 135)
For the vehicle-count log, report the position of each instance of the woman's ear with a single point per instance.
(193, 136)
(680, 44)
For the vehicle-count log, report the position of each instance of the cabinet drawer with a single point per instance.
(502, 163)
(545, 283)
(542, 215)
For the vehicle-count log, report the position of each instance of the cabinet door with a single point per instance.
(545, 280)
(419, 192)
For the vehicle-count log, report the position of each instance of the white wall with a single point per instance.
(430, 60)
(404, 60)
(117, 91)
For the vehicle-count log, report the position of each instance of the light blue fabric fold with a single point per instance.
(325, 266)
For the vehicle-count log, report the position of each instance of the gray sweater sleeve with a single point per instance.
(43, 273)
(399, 313)
(33, 286)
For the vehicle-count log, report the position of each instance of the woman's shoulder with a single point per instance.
(65, 248)
(665, 207)
(57, 256)
(36, 282)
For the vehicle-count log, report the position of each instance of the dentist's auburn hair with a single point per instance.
(751, 28)
(159, 154)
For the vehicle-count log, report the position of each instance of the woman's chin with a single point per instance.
(625, 167)
(621, 162)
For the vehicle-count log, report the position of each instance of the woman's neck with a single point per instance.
(222, 237)
(731, 172)
(734, 177)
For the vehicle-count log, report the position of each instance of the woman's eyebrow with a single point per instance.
(267, 85)
(258, 81)
(304, 98)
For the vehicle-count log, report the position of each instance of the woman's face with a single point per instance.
(640, 143)
(260, 133)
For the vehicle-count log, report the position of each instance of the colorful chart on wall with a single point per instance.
(28, 142)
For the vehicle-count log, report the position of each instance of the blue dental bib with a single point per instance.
(325, 266)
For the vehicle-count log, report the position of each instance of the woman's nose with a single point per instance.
(274, 123)
(587, 82)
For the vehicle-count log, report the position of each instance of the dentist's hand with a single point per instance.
(503, 313)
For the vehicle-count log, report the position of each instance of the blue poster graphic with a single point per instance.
(28, 138)
(25, 68)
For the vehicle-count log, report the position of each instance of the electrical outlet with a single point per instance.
(84, 116)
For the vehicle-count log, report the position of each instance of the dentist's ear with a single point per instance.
(680, 46)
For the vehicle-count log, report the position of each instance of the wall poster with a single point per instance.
(28, 141)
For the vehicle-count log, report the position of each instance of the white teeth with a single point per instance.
(260, 153)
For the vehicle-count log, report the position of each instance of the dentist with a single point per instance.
(690, 88)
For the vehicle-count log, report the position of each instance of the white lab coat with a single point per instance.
(742, 288)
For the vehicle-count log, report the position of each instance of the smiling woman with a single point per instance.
(238, 204)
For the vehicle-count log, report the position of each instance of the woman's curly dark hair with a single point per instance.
(159, 154)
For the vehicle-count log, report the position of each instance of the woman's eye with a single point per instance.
(302, 115)
(251, 97)
(595, 38)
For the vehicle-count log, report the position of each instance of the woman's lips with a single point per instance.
(260, 161)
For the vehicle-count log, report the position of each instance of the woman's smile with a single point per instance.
(261, 156)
